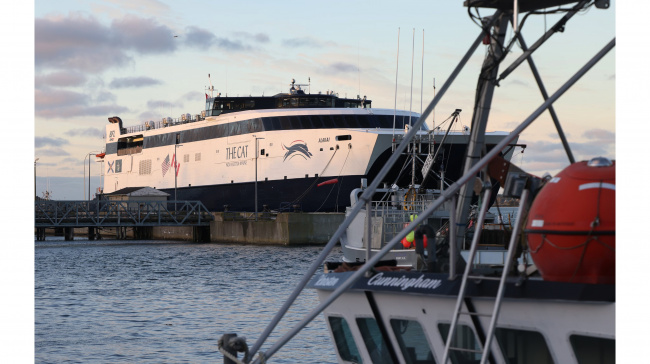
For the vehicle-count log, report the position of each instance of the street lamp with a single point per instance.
(88, 155)
(175, 174)
(35, 160)
(257, 154)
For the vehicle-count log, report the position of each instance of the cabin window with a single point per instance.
(316, 121)
(130, 145)
(344, 137)
(593, 350)
(523, 346)
(412, 342)
(463, 338)
(118, 166)
(374, 341)
(343, 339)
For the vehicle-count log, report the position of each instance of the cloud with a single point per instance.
(341, 67)
(40, 142)
(306, 42)
(202, 38)
(88, 132)
(259, 37)
(197, 37)
(165, 105)
(53, 152)
(144, 36)
(600, 135)
(60, 79)
(82, 43)
(194, 96)
(63, 103)
(143, 6)
(132, 82)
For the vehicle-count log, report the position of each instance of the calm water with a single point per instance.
(115, 301)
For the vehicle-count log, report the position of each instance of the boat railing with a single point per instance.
(397, 211)
(164, 123)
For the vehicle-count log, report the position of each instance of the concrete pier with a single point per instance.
(282, 229)
(286, 229)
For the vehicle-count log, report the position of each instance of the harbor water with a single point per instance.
(121, 301)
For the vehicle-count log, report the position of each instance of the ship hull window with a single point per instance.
(463, 338)
(523, 346)
(374, 341)
(343, 339)
(412, 342)
(593, 350)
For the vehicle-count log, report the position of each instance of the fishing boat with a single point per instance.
(559, 306)
(290, 151)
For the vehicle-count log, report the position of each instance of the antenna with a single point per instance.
(412, 56)
(211, 87)
(433, 112)
(422, 75)
(396, 72)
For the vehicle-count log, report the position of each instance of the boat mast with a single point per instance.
(482, 104)
(411, 114)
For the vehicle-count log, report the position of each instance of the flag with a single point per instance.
(176, 165)
(165, 165)
(206, 96)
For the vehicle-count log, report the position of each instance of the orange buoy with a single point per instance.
(571, 227)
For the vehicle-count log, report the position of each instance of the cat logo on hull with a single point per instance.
(296, 148)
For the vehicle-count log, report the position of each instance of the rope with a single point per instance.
(333, 186)
(230, 356)
(312, 184)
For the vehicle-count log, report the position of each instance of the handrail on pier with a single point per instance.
(105, 213)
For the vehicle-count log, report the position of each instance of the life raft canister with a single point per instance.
(571, 227)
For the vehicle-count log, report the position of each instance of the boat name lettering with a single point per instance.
(323, 140)
(327, 281)
(235, 163)
(237, 152)
(404, 283)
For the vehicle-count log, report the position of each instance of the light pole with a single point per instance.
(175, 174)
(257, 154)
(35, 160)
(88, 156)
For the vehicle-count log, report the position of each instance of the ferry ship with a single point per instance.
(300, 151)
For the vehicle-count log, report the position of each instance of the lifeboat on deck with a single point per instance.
(571, 227)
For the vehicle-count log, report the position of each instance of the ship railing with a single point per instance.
(120, 213)
(167, 122)
(394, 214)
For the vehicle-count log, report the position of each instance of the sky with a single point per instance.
(147, 59)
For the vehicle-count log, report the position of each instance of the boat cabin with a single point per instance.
(296, 98)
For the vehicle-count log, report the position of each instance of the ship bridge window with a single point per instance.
(343, 339)
(374, 341)
(589, 349)
(412, 342)
(463, 338)
(523, 346)
(130, 145)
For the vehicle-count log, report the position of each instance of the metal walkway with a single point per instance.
(50, 214)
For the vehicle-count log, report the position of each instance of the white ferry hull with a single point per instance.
(289, 164)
